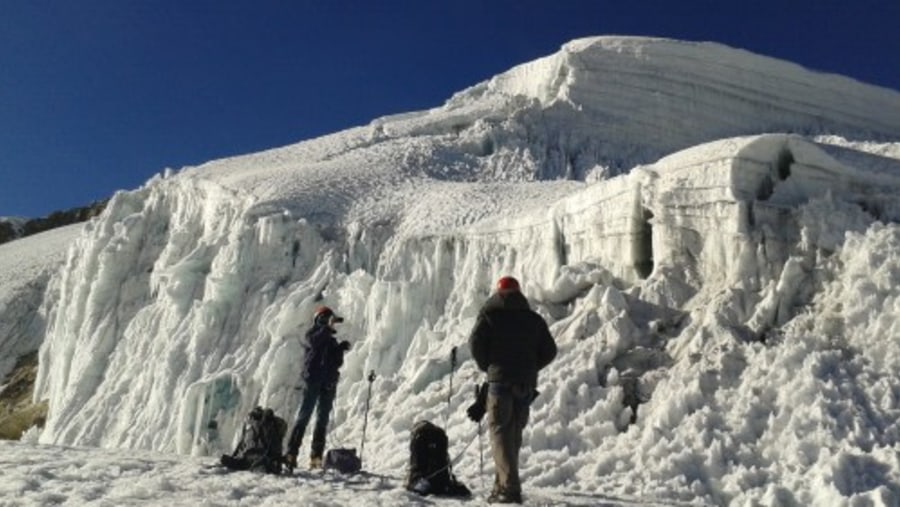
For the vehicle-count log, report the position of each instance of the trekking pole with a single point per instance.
(450, 392)
(480, 445)
(480, 456)
(362, 445)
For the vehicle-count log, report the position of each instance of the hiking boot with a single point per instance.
(315, 462)
(290, 461)
(500, 497)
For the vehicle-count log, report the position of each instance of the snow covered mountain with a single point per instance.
(712, 235)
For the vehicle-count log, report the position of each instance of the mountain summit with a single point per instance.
(595, 109)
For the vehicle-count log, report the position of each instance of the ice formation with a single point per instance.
(711, 234)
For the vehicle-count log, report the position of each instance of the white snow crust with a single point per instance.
(51, 475)
(712, 236)
(26, 266)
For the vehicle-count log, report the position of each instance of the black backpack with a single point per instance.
(343, 460)
(429, 463)
(259, 449)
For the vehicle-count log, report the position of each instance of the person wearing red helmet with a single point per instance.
(511, 343)
(324, 357)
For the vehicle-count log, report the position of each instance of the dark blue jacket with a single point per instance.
(324, 356)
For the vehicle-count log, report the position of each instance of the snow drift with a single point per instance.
(725, 300)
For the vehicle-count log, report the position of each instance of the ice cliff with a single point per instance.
(667, 206)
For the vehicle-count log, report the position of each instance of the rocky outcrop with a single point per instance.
(18, 412)
(11, 230)
(8, 231)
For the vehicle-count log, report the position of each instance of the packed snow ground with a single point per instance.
(733, 291)
(52, 475)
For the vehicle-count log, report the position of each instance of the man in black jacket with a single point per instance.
(511, 343)
(324, 357)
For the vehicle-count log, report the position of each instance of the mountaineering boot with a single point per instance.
(290, 462)
(315, 462)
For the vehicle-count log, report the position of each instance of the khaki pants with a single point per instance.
(507, 408)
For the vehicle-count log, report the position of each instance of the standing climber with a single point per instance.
(324, 357)
(511, 343)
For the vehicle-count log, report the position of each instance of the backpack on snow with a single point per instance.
(343, 460)
(259, 449)
(429, 463)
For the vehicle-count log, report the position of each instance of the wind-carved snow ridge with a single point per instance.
(684, 294)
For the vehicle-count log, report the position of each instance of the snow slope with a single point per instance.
(731, 290)
(26, 266)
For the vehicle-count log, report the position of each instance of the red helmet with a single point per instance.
(507, 284)
(324, 314)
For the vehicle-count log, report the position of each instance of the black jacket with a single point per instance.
(510, 341)
(324, 356)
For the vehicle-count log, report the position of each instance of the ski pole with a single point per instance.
(480, 456)
(480, 444)
(450, 392)
(362, 445)
(452, 367)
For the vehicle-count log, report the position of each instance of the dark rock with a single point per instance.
(56, 219)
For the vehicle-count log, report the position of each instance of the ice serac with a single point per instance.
(638, 99)
(675, 289)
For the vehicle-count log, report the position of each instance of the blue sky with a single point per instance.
(99, 95)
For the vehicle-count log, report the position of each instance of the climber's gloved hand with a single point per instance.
(477, 409)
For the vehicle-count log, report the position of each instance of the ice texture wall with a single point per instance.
(185, 306)
(155, 297)
(662, 252)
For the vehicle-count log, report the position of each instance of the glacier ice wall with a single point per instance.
(675, 291)
(184, 305)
